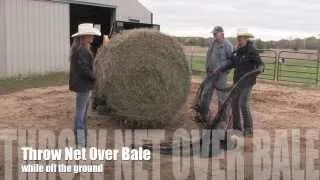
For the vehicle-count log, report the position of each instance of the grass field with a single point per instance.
(299, 70)
(34, 81)
(304, 69)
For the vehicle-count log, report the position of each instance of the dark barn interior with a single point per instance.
(105, 18)
(102, 16)
(121, 25)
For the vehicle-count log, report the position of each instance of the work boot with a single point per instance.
(235, 136)
(81, 138)
(248, 133)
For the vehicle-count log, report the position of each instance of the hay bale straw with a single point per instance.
(143, 76)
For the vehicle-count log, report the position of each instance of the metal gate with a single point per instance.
(287, 66)
(269, 57)
(298, 66)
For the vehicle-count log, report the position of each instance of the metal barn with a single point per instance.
(35, 34)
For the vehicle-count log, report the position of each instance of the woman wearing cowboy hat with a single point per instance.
(245, 59)
(81, 78)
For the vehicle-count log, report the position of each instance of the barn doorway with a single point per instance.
(122, 25)
(101, 17)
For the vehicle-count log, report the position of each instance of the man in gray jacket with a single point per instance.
(219, 53)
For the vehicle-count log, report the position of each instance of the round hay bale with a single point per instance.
(143, 77)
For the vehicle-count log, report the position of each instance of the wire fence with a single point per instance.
(301, 67)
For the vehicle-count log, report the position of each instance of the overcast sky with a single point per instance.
(267, 19)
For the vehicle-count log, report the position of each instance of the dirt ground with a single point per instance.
(274, 107)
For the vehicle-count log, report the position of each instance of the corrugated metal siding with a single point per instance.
(132, 9)
(37, 37)
(2, 40)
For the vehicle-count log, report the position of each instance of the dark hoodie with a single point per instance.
(81, 71)
(244, 60)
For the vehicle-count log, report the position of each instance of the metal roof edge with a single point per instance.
(81, 3)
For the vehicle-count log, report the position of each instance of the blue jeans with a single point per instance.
(80, 128)
(208, 92)
(241, 106)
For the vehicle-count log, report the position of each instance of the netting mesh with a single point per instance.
(223, 116)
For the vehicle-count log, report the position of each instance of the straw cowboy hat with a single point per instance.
(244, 32)
(87, 29)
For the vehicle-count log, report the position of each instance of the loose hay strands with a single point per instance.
(143, 77)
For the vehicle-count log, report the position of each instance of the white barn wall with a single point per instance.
(37, 37)
(2, 40)
(35, 33)
(132, 9)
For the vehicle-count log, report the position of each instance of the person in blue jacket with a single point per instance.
(219, 53)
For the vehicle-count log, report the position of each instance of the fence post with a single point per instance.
(278, 64)
(190, 62)
(318, 68)
(275, 66)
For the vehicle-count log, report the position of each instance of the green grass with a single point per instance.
(299, 71)
(300, 74)
(33, 81)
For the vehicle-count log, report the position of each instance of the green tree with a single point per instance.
(259, 44)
